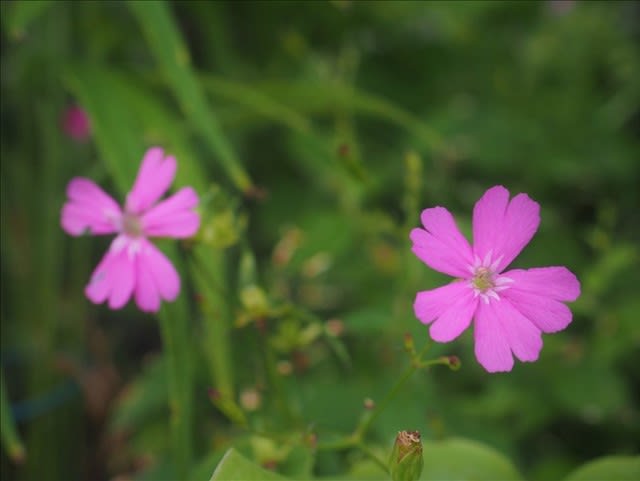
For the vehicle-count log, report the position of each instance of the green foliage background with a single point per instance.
(315, 133)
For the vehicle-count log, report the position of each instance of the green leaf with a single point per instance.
(21, 14)
(458, 459)
(167, 45)
(313, 97)
(611, 468)
(234, 467)
(10, 439)
(144, 399)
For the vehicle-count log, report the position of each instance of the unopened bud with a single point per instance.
(250, 399)
(453, 362)
(213, 394)
(284, 368)
(406, 458)
(409, 346)
(76, 124)
(255, 301)
(334, 327)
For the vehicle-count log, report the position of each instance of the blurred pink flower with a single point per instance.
(133, 265)
(76, 123)
(561, 7)
(510, 309)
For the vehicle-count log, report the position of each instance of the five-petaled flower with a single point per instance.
(133, 265)
(510, 309)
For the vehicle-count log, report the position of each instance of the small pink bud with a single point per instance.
(454, 363)
(76, 124)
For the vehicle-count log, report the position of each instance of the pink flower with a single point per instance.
(133, 265)
(76, 123)
(561, 7)
(510, 309)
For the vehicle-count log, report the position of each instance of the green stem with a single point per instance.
(208, 269)
(173, 329)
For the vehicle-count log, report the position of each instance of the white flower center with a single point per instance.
(485, 279)
(131, 225)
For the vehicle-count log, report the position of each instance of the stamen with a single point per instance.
(485, 280)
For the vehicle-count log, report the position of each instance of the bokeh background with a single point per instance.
(315, 133)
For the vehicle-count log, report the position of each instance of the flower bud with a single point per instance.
(406, 458)
(453, 362)
(76, 123)
(409, 346)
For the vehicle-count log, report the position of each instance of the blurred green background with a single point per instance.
(315, 133)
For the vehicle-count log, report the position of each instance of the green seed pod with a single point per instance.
(406, 458)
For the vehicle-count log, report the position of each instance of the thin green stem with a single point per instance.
(416, 363)
(379, 407)
(275, 379)
(11, 440)
(339, 444)
(355, 440)
(373, 456)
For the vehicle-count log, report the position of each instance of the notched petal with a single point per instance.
(440, 244)
(154, 178)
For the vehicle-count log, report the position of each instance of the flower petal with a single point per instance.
(491, 343)
(537, 295)
(440, 244)
(173, 217)
(124, 279)
(89, 209)
(100, 283)
(154, 178)
(164, 275)
(555, 282)
(499, 330)
(451, 307)
(547, 314)
(114, 278)
(146, 292)
(503, 228)
(524, 337)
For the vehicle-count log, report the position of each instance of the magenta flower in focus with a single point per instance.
(510, 309)
(76, 123)
(133, 265)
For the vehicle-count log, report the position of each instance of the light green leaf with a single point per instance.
(234, 467)
(611, 468)
(462, 459)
